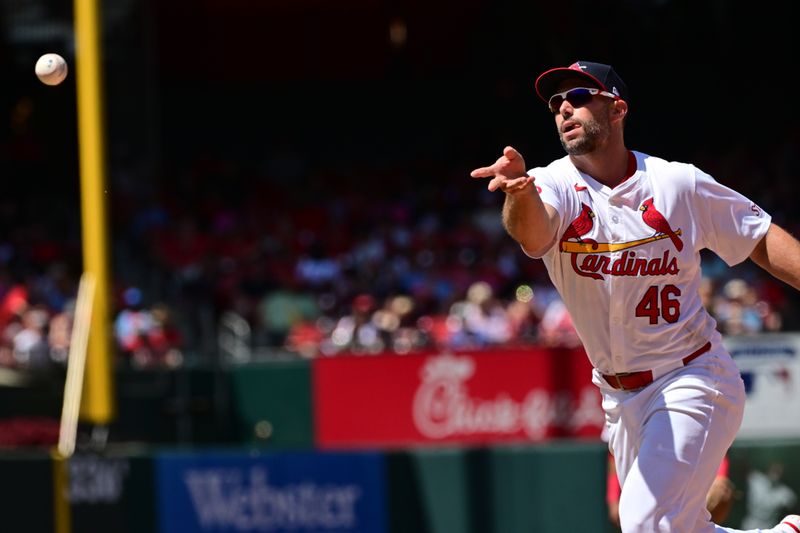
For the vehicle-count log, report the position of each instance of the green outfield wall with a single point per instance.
(265, 410)
(271, 404)
(539, 489)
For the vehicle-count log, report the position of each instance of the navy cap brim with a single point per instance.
(547, 83)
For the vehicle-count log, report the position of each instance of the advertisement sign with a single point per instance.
(476, 397)
(114, 489)
(770, 367)
(274, 493)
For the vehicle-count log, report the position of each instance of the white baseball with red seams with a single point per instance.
(51, 69)
(626, 263)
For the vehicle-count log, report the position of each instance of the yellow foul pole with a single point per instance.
(97, 405)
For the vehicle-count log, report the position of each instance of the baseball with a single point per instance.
(51, 69)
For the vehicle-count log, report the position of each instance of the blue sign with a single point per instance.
(271, 492)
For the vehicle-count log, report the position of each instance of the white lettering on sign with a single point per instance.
(443, 406)
(224, 498)
(95, 479)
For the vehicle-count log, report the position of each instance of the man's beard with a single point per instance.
(594, 131)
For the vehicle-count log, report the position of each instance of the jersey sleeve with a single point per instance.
(613, 488)
(724, 466)
(730, 224)
(547, 187)
(550, 191)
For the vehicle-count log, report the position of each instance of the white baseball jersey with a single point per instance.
(626, 260)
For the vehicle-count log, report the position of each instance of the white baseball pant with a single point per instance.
(668, 440)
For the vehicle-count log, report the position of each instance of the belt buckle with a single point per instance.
(619, 383)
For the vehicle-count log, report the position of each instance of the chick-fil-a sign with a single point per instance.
(525, 395)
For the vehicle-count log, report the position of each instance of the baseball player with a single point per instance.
(620, 233)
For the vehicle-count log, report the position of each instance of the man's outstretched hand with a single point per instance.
(508, 173)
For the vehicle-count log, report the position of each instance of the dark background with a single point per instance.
(239, 74)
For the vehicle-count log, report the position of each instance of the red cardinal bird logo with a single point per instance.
(581, 226)
(656, 220)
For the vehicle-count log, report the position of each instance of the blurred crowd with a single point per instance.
(357, 259)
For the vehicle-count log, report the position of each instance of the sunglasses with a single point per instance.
(577, 97)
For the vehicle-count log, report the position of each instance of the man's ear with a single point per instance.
(620, 109)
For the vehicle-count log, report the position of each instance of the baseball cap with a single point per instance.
(597, 74)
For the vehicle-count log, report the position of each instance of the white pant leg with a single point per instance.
(668, 441)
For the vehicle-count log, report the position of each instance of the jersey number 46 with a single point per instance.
(663, 303)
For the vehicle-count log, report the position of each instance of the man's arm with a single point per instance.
(778, 253)
(531, 222)
(719, 499)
